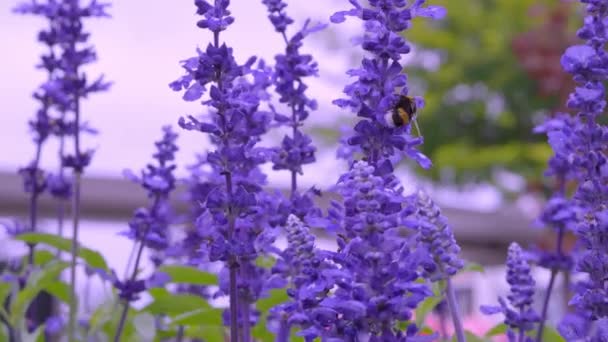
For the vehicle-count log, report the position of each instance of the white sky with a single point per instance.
(139, 49)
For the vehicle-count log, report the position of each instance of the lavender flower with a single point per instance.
(34, 178)
(74, 84)
(297, 150)
(374, 92)
(232, 225)
(376, 287)
(302, 265)
(580, 143)
(518, 312)
(53, 327)
(149, 226)
(437, 239)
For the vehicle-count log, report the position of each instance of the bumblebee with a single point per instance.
(403, 113)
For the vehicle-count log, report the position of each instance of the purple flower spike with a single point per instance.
(289, 79)
(580, 143)
(376, 271)
(436, 237)
(518, 312)
(302, 266)
(380, 84)
(230, 210)
(150, 225)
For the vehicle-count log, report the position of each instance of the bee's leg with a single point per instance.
(417, 128)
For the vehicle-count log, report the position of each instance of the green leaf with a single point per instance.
(549, 335)
(209, 334)
(5, 290)
(93, 258)
(188, 275)
(274, 298)
(499, 329)
(469, 337)
(42, 257)
(205, 316)
(59, 290)
(473, 267)
(3, 333)
(37, 282)
(111, 325)
(158, 292)
(176, 304)
(425, 308)
(102, 314)
(265, 261)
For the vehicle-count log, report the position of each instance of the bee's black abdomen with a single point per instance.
(403, 112)
(397, 120)
(407, 104)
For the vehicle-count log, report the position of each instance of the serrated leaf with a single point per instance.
(188, 275)
(499, 329)
(425, 308)
(93, 258)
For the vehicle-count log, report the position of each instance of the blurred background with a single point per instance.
(489, 72)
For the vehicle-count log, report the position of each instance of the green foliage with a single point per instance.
(499, 329)
(474, 43)
(93, 258)
(470, 337)
(473, 267)
(425, 308)
(274, 298)
(37, 282)
(188, 275)
(42, 257)
(549, 335)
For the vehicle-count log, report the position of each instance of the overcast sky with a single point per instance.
(139, 49)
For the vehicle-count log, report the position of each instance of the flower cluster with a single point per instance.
(302, 266)
(518, 311)
(232, 225)
(150, 225)
(436, 237)
(290, 70)
(580, 143)
(66, 84)
(375, 281)
(374, 94)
